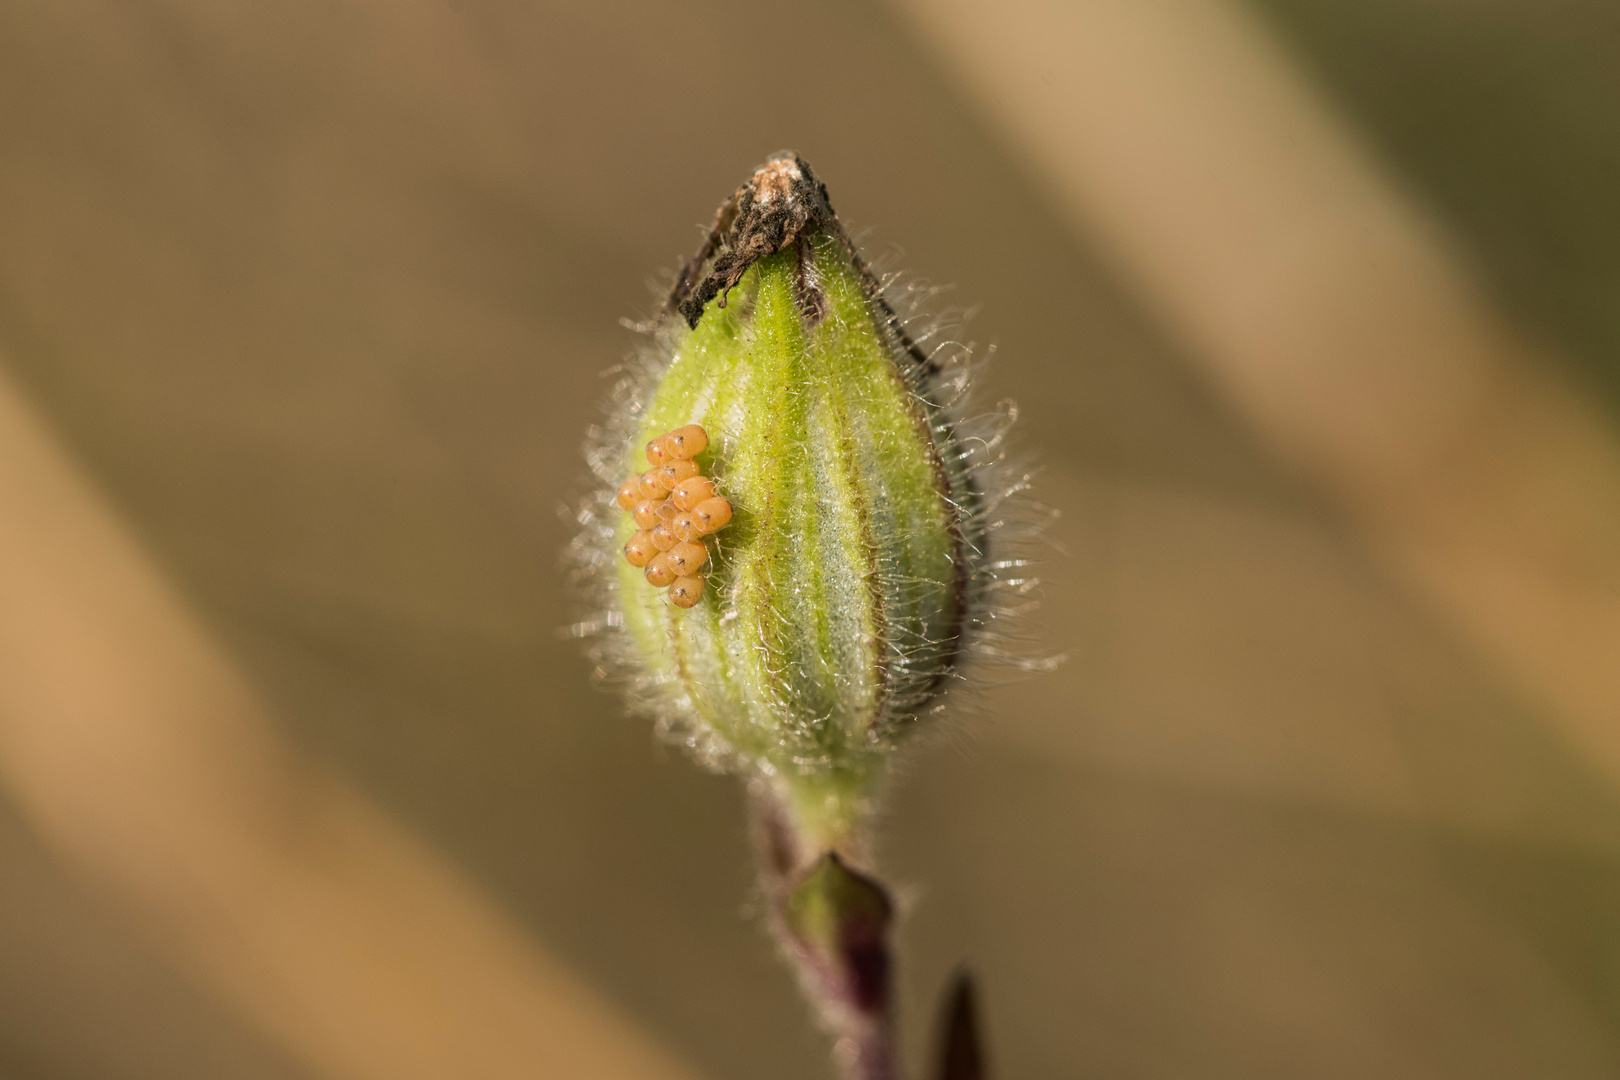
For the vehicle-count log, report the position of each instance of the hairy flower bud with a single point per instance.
(848, 566)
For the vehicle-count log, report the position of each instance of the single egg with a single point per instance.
(685, 591)
(712, 514)
(639, 550)
(659, 572)
(647, 483)
(687, 558)
(687, 442)
(689, 492)
(672, 473)
(686, 525)
(646, 513)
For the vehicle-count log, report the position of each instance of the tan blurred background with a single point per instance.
(1312, 309)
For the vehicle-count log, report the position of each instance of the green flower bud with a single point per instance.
(854, 570)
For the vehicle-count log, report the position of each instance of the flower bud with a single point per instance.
(844, 528)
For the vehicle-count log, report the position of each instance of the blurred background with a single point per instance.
(1312, 309)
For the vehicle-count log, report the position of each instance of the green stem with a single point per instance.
(828, 812)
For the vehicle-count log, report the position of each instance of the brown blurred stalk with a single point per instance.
(143, 758)
(1320, 301)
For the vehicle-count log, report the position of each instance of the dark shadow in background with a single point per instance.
(1503, 114)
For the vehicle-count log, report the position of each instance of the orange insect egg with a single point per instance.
(686, 526)
(646, 513)
(672, 473)
(639, 549)
(657, 454)
(628, 494)
(662, 538)
(712, 514)
(687, 559)
(667, 510)
(691, 491)
(658, 570)
(686, 591)
(687, 442)
(647, 483)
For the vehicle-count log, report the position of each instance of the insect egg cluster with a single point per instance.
(675, 507)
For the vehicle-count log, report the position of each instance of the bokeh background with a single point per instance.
(1312, 309)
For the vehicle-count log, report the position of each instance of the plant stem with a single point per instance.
(833, 924)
